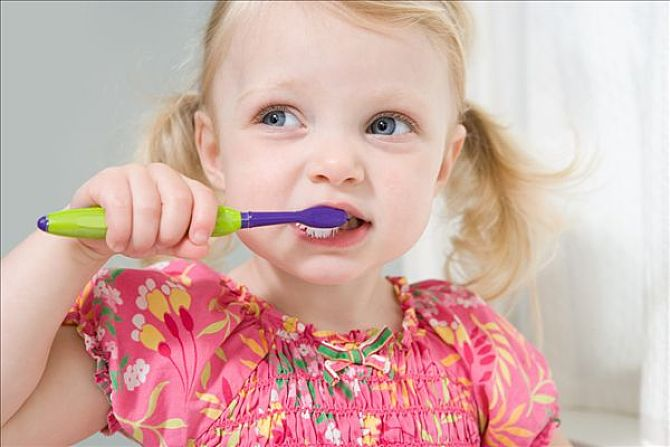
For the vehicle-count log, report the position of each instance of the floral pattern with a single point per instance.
(187, 357)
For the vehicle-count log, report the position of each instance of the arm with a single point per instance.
(40, 280)
(560, 440)
(68, 378)
(149, 210)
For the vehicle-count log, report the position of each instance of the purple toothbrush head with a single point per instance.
(316, 217)
(323, 217)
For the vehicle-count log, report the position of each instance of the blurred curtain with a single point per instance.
(593, 75)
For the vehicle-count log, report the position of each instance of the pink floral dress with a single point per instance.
(187, 357)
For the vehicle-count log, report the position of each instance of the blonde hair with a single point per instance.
(496, 192)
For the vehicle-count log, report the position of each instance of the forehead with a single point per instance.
(308, 43)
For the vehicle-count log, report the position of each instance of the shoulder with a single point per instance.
(444, 303)
(159, 277)
(464, 320)
(438, 295)
(457, 315)
(164, 334)
(452, 310)
(176, 282)
(146, 304)
(511, 380)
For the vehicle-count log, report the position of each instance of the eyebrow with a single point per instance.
(270, 87)
(392, 94)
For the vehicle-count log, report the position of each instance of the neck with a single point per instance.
(365, 302)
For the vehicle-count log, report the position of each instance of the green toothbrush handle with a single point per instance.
(89, 223)
(228, 220)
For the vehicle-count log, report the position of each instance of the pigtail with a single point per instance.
(170, 138)
(499, 196)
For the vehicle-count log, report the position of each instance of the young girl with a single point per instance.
(357, 105)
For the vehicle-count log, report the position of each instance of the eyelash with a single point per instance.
(413, 126)
(284, 108)
(267, 109)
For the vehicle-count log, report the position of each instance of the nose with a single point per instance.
(337, 164)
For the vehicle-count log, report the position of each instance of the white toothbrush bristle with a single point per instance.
(318, 233)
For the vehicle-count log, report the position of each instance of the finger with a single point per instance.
(203, 216)
(146, 209)
(187, 249)
(177, 201)
(110, 190)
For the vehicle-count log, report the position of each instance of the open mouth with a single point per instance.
(322, 233)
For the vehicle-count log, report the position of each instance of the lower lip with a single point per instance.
(342, 239)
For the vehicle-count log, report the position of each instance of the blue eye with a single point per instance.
(388, 125)
(279, 117)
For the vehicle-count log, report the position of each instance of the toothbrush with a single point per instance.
(89, 223)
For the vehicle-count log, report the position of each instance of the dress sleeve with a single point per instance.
(86, 315)
(516, 397)
(161, 338)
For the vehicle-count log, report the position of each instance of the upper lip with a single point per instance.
(350, 209)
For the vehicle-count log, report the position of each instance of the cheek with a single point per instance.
(409, 212)
(409, 191)
(248, 193)
(407, 208)
(255, 182)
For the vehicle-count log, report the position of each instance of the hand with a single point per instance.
(149, 210)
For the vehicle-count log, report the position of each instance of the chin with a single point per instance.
(325, 272)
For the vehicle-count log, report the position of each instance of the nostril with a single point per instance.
(336, 170)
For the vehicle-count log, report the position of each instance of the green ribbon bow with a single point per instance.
(339, 357)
